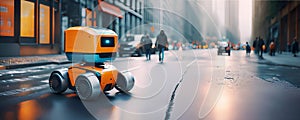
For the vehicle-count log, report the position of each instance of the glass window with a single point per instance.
(132, 4)
(53, 23)
(128, 2)
(117, 24)
(127, 22)
(44, 24)
(122, 1)
(120, 28)
(7, 18)
(140, 7)
(27, 19)
(132, 25)
(135, 5)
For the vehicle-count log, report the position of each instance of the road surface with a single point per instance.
(190, 84)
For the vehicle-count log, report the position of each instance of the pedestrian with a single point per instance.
(147, 45)
(228, 48)
(160, 44)
(295, 47)
(248, 49)
(254, 45)
(272, 48)
(261, 47)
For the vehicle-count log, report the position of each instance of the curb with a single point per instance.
(15, 66)
(268, 62)
(284, 65)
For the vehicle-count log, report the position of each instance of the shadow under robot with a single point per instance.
(91, 49)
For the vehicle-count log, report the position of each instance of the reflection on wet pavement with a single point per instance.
(29, 110)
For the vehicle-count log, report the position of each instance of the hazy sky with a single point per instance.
(245, 19)
(245, 16)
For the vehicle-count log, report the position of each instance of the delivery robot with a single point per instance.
(90, 50)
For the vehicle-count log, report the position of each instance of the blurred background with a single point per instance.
(35, 27)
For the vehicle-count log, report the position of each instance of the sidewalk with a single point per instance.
(284, 59)
(27, 61)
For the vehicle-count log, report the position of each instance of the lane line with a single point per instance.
(45, 81)
(29, 78)
(131, 69)
(22, 90)
(18, 72)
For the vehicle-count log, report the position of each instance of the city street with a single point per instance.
(189, 85)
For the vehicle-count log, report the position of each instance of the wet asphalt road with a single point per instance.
(192, 84)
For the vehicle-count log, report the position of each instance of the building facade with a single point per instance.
(29, 27)
(232, 20)
(277, 21)
(35, 27)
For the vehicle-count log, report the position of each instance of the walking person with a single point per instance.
(160, 44)
(255, 45)
(248, 49)
(295, 47)
(147, 45)
(272, 48)
(261, 47)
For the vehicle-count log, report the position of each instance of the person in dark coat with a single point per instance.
(160, 44)
(255, 45)
(261, 47)
(147, 45)
(295, 47)
(248, 49)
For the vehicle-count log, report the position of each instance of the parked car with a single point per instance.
(131, 46)
(223, 47)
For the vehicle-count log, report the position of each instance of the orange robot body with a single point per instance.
(90, 44)
(90, 48)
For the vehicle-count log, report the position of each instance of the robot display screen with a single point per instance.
(107, 42)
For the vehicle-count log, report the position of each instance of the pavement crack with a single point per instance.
(171, 101)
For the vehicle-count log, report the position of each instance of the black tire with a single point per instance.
(57, 83)
(125, 82)
(87, 86)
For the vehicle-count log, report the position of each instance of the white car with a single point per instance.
(223, 47)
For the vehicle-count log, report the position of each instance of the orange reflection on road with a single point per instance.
(44, 96)
(9, 116)
(116, 113)
(71, 95)
(29, 110)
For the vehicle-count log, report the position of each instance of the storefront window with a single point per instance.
(7, 18)
(27, 19)
(53, 24)
(44, 24)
